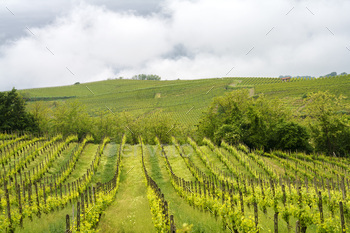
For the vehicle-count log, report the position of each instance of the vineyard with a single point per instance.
(300, 87)
(183, 101)
(60, 184)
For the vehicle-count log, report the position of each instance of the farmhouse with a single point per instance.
(286, 79)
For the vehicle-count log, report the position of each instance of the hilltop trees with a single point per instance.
(13, 115)
(146, 77)
(258, 122)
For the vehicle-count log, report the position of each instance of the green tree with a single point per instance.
(108, 124)
(41, 112)
(328, 123)
(13, 114)
(71, 118)
(290, 136)
(239, 118)
(146, 77)
(150, 126)
(224, 111)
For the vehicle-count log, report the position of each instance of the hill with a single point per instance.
(183, 100)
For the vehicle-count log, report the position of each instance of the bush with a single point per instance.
(290, 136)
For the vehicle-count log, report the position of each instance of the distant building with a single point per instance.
(286, 79)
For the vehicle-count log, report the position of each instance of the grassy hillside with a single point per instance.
(183, 100)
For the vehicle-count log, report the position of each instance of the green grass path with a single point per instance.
(182, 211)
(61, 160)
(108, 163)
(83, 163)
(130, 212)
(53, 222)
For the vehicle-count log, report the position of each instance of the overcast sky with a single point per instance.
(60, 42)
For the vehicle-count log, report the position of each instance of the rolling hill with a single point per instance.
(183, 100)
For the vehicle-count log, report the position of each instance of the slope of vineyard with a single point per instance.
(182, 100)
(111, 187)
(298, 88)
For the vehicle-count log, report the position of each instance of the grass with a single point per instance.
(139, 97)
(196, 160)
(214, 159)
(178, 164)
(83, 163)
(62, 159)
(108, 160)
(235, 162)
(54, 222)
(181, 100)
(184, 214)
(130, 212)
(42, 156)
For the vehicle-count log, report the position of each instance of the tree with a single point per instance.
(40, 110)
(290, 136)
(146, 77)
(108, 124)
(239, 118)
(13, 114)
(329, 125)
(149, 126)
(71, 118)
(224, 110)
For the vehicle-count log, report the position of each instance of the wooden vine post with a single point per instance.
(297, 227)
(342, 217)
(67, 224)
(19, 204)
(78, 216)
(7, 196)
(256, 217)
(320, 206)
(172, 224)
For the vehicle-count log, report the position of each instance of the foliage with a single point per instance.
(257, 122)
(290, 136)
(329, 125)
(146, 77)
(153, 125)
(13, 115)
(70, 119)
(291, 184)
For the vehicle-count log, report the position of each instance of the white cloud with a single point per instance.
(186, 39)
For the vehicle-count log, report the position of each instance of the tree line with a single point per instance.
(72, 117)
(322, 124)
(146, 77)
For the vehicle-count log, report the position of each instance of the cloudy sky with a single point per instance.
(60, 42)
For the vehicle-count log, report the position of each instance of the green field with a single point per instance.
(207, 188)
(181, 100)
